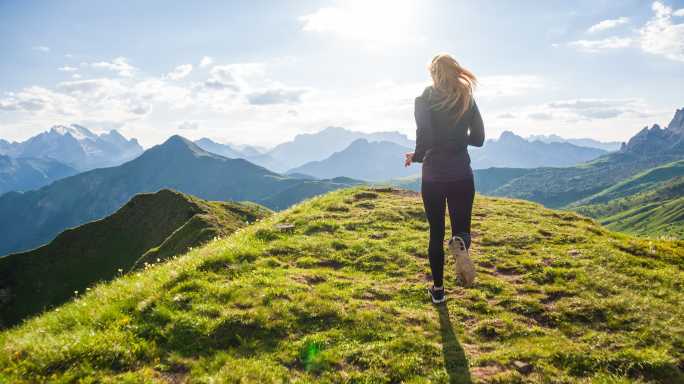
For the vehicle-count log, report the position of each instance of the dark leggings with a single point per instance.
(436, 194)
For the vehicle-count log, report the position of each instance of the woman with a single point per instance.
(447, 121)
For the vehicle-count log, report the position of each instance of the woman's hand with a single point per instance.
(408, 159)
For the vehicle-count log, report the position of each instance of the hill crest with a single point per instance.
(341, 297)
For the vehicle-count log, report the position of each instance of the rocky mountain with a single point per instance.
(340, 298)
(608, 146)
(23, 174)
(320, 145)
(362, 160)
(77, 147)
(150, 228)
(513, 151)
(33, 218)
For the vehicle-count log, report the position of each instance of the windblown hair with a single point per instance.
(454, 84)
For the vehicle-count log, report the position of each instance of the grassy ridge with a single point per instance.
(150, 226)
(649, 203)
(642, 182)
(342, 299)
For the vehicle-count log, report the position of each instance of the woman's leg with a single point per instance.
(434, 202)
(460, 195)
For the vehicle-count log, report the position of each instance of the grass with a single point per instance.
(656, 210)
(151, 227)
(341, 298)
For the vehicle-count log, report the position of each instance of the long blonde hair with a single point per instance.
(454, 84)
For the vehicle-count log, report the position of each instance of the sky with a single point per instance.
(261, 72)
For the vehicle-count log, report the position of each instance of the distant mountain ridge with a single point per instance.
(317, 146)
(76, 146)
(33, 218)
(150, 228)
(24, 174)
(608, 146)
(363, 160)
(513, 151)
(383, 160)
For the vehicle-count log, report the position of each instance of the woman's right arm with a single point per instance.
(423, 128)
(476, 135)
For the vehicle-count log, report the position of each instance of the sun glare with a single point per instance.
(372, 22)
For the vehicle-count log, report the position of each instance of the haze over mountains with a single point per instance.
(513, 151)
(363, 160)
(60, 152)
(76, 146)
(33, 218)
(609, 146)
(27, 173)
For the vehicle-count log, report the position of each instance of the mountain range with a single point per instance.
(27, 173)
(557, 187)
(317, 146)
(513, 151)
(33, 218)
(383, 160)
(609, 146)
(362, 160)
(149, 229)
(76, 146)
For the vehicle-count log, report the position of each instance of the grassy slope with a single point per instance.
(642, 182)
(341, 299)
(151, 226)
(559, 187)
(649, 203)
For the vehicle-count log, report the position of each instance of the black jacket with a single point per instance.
(438, 131)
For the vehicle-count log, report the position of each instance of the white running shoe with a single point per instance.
(465, 269)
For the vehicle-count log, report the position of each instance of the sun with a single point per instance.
(374, 22)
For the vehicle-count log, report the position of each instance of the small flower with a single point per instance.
(120, 270)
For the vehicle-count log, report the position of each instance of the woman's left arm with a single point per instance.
(476, 135)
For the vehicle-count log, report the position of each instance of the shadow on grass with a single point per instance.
(455, 361)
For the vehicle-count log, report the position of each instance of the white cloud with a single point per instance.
(276, 96)
(587, 109)
(67, 68)
(508, 85)
(659, 36)
(206, 61)
(188, 125)
(41, 48)
(119, 65)
(608, 24)
(367, 21)
(599, 118)
(612, 42)
(679, 12)
(180, 72)
(235, 77)
(75, 76)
